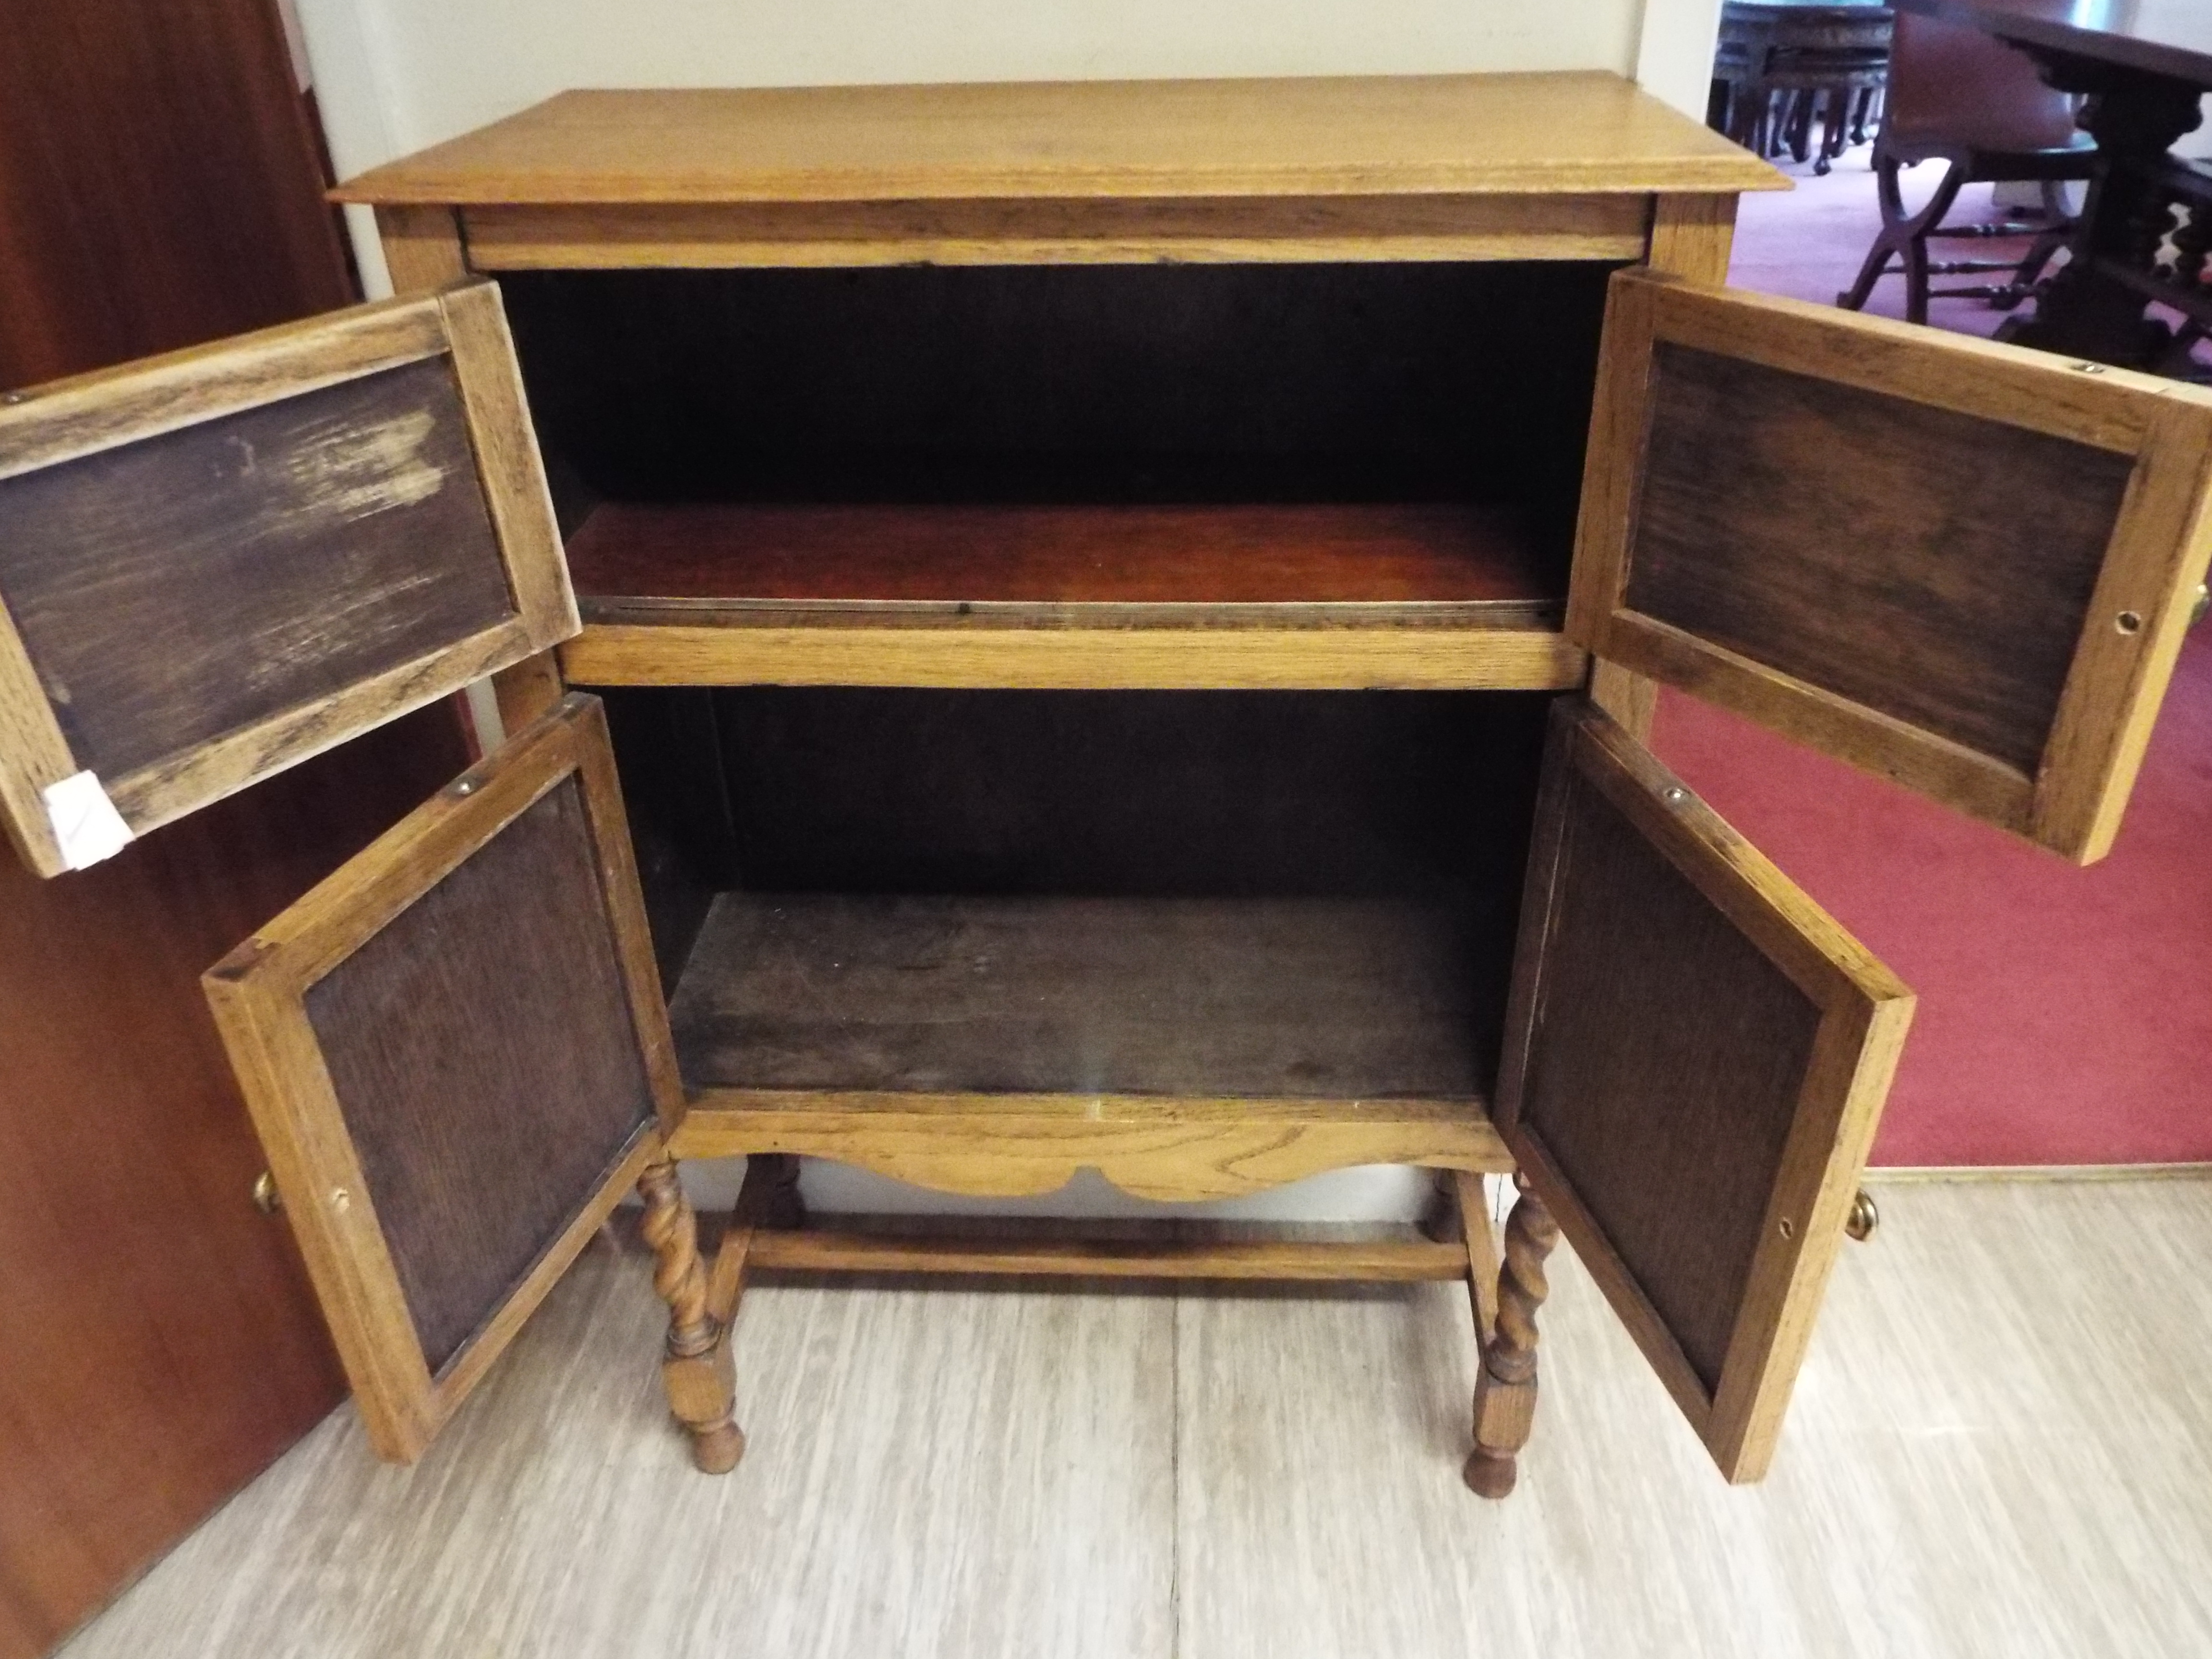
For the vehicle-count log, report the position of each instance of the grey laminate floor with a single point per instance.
(2002, 1445)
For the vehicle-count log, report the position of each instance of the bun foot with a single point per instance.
(716, 1450)
(1490, 1474)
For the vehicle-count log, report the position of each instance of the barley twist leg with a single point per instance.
(697, 1368)
(1505, 1388)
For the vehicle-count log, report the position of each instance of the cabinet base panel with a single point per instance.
(1014, 1146)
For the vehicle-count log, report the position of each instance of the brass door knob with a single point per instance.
(1864, 1218)
(266, 1198)
(2204, 604)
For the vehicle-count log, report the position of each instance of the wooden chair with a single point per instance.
(1965, 99)
(1780, 70)
(2176, 267)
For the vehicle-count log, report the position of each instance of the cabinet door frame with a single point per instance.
(2133, 628)
(1864, 1013)
(72, 419)
(258, 993)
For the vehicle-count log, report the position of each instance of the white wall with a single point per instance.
(393, 75)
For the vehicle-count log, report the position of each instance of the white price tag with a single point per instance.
(85, 823)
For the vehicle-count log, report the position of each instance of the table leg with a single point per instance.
(2135, 117)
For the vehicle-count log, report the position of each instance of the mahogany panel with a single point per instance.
(159, 187)
(627, 556)
(160, 184)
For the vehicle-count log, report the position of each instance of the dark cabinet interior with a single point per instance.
(1268, 894)
(1253, 434)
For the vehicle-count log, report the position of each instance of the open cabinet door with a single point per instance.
(458, 1058)
(216, 564)
(1963, 565)
(1696, 1058)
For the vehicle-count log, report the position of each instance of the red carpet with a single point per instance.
(2065, 1014)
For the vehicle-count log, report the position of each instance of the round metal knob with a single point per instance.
(2202, 604)
(1864, 1218)
(266, 1198)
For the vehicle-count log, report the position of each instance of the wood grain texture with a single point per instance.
(179, 589)
(35, 754)
(1692, 236)
(1256, 229)
(1120, 1466)
(1384, 1262)
(1063, 596)
(1079, 658)
(223, 560)
(1172, 1148)
(64, 420)
(1396, 135)
(482, 1103)
(1666, 1072)
(1315, 999)
(326, 1098)
(1696, 1058)
(529, 690)
(185, 203)
(1064, 1476)
(2131, 638)
(1939, 566)
(422, 249)
(1986, 656)
(1064, 564)
(1505, 1388)
(509, 469)
(1939, 1485)
(696, 1369)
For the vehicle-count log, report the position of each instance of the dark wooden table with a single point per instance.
(2144, 65)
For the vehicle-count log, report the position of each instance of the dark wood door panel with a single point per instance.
(1696, 1058)
(1928, 564)
(457, 1056)
(1965, 566)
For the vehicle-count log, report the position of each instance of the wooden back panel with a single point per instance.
(458, 1059)
(1696, 1058)
(1963, 565)
(216, 564)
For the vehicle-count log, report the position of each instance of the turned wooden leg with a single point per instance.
(770, 1194)
(1483, 1267)
(1505, 1388)
(698, 1371)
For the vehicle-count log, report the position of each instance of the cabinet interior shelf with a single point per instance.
(1315, 591)
(802, 1020)
(1465, 564)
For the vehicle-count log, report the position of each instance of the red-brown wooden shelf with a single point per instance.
(1437, 597)
(1447, 560)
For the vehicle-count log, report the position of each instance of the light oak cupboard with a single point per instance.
(1127, 615)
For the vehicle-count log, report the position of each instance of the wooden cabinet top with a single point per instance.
(1338, 136)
